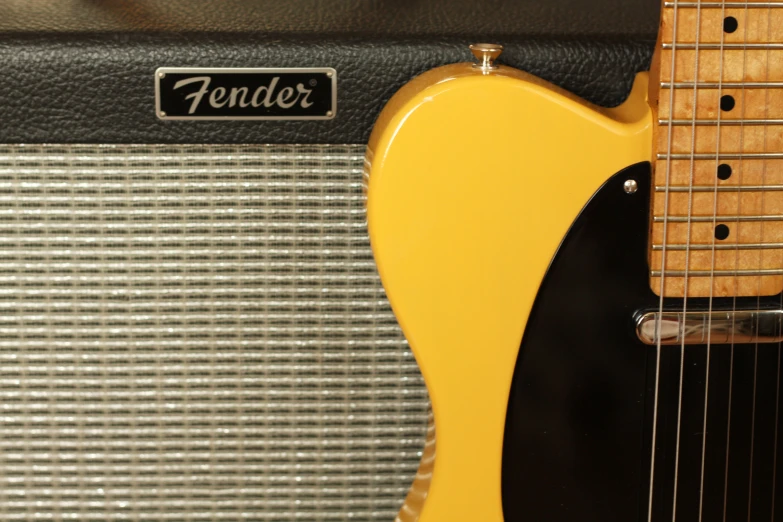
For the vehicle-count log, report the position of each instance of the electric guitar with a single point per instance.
(594, 295)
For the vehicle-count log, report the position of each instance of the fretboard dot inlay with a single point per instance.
(721, 232)
(730, 24)
(727, 102)
(724, 171)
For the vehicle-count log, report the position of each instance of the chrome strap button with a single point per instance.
(486, 54)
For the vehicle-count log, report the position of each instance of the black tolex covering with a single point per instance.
(81, 71)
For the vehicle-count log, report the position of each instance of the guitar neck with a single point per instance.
(717, 200)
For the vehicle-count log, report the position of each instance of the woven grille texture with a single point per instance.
(197, 333)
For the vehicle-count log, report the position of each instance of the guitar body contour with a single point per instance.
(474, 181)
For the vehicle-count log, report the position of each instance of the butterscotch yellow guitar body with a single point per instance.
(475, 177)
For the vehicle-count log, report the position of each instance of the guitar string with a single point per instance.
(728, 422)
(758, 288)
(758, 302)
(780, 331)
(761, 262)
(780, 345)
(777, 407)
(741, 164)
(777, 380)
(712, 271)
(663, 262)
(688, 234)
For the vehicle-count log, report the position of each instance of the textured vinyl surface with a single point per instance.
(79, 71)
(197, 333)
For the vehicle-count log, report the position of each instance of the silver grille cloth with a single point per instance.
(197, 333)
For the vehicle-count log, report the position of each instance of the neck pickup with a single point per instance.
(727, 327)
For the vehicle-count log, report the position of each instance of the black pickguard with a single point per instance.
(579, 425)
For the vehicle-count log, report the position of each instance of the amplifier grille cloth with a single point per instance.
(197, 333)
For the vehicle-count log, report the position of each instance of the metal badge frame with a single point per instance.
(161, 73)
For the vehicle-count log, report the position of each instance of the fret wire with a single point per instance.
(727, 5)
(719, 273)
(704, 123)
(729, 47)
(731, 246)
(729, 155)
(725, 85)
(718, 219)
(724, 188)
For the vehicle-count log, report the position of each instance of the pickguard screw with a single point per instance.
(161, 75)
(329, 113)
(162, 114)
(630, 186)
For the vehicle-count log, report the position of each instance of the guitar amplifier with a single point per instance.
(191, 322)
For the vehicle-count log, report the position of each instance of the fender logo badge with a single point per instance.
(245, 94)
